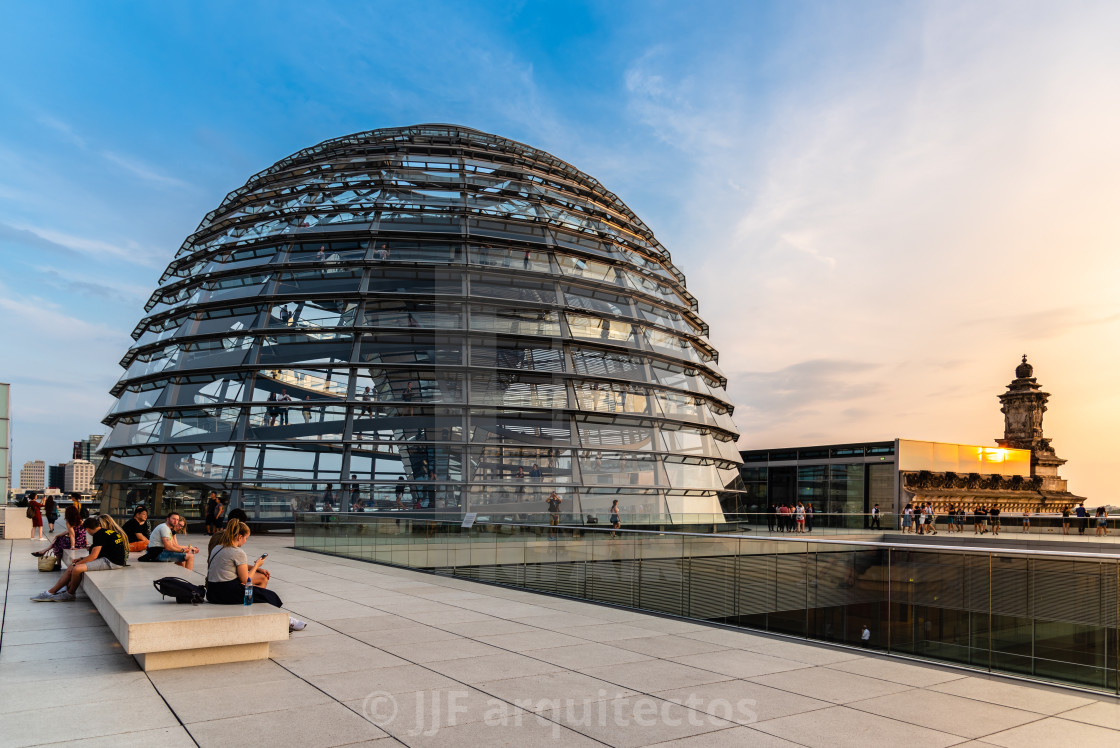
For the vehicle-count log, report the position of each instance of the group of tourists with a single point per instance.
(919, 519)
(228, 570)
(1082, 514)
(797, 517)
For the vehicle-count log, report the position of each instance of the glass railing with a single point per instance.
(1043, 615)
(884, 526)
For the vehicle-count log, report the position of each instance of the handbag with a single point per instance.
(48, 562)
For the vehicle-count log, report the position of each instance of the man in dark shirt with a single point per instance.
(1082, 518)
(137, 530)
(106, 551)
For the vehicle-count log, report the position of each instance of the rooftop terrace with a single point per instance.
(399, 657)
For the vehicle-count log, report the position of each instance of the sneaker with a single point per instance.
(294, 624)
(43, 597)
(62, 597)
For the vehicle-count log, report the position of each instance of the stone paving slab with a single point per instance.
(395, 657)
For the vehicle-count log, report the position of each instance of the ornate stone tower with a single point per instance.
(1023, 406)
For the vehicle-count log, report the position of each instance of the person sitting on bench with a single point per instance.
(228, 572)
(107, 551)
(136, 530)
(163, 548)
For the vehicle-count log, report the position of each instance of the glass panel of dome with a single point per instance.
(319, 280)
(407, 220)
(600, 329)
(306, 461)
(133, 429)
(515, 428)
(530, 356)
(597, 301)
(593, 362)
(309, 314)
(206, 425)
(232, 287)
(243, 257)
(511, 229)
(514, 320)
(136, 399)
(312, 348)
(329, 420)
(518, 391)
(415, 251)
(415, 282)
(620, 469)
(613, 397)
(412, 313)
(616, 436)
(390, 349)
(516, 289)
(211, 463)
(418, 423)
(581, 268)
(218, 352)
(687, 441)
(533, 465)
(514, 257)
(403, 385)
(683, 474)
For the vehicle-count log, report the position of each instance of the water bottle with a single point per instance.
(249, 591)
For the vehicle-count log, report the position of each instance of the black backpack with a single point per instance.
(180, 589)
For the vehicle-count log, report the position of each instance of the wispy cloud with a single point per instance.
(92, 287)
(64, 243)
(789, 392)
(30, 238)
(142, 171)
(129, 163)
(62, 129)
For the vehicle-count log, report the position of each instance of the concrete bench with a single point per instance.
(70, 554)
(161, 634)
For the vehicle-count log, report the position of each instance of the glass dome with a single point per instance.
(429, 317)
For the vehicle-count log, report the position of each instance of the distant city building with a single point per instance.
(79, 476)
(852, 478)
(1018, 475)
(86, 449)
(5, 440)
(33, 476)
(56, 476)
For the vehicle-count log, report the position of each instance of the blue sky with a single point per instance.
(879, 205)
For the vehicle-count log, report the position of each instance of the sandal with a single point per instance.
(38, 554)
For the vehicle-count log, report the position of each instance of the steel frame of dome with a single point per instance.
(461, 323)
